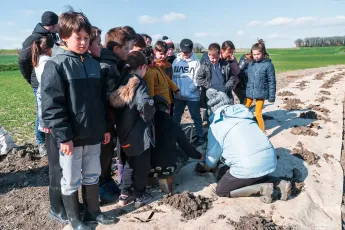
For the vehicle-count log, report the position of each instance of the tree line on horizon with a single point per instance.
(320, 41)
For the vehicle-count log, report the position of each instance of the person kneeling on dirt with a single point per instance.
(236, 140)
(164, 155)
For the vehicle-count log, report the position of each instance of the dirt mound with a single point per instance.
(314, 116)
(322, 99)
(303, 130)
(319, 76)
(286, 93)
(329, 83)
(302, 85)
(191, 206)
(327, 156)
(319, 108)
(292, 104)
(256, 222)
(310, 157)
(325, 92)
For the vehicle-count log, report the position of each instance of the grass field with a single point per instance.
(17, 106)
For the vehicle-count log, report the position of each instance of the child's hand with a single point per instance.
(46, 130)
(67, 148)
(106, 138)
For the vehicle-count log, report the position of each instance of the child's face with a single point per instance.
(96, 47)
(170, 52)
(131, 44)
(186, 55)
(214, 57)
(148, 42)
(160, 55)
(228, 53)
(78, 42)
(257, 55)
(123, 51)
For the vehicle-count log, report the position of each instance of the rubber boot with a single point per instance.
(92, 211)
(285, 189)
(57, 209)
(72, 208)
(265, 190)
(166, 185)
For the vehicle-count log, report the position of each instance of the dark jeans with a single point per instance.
(40, 136)
(229, 183)
(135, 174)
(194, 110)
(240, 93)
(106, 159)
(55, 171)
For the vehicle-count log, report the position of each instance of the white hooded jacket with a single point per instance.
(184, 71)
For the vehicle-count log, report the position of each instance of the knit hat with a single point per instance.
(165, 38)
(160, 103)
(216, 99)
(49, 18)
(170, 44)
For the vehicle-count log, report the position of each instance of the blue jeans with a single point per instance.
(194, 110)
(40, 136)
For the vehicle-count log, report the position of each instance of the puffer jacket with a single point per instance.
(165, 66)
(261, 80)
(72, 104)
(158, 83)
(134, 111)
(231, 128)
(25, 57)
(184, 71)
(204, 78)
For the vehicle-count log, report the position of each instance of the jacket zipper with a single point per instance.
(157, 77)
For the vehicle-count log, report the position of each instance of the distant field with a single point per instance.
(8, 62)
(303, 58)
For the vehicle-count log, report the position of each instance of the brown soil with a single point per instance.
(256, 222)
(322, 99)
(329, 83)
(23, 191)
(297, 183)
(319, 76)
(310, 157)
(325, 92)
(191, 206)
(327, 156)
(302, 85)
(314, 116)
(292, 104)
(286, 93)
(303, 130)
(319, 108)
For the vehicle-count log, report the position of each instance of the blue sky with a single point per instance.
(278, 22)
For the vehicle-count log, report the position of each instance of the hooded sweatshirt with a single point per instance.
(184, 72)
(24, 60)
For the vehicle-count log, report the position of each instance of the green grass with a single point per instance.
(304, 58)
(17, 106)
(8, 62)
(13, 52)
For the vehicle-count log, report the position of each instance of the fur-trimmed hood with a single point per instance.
(124, 94)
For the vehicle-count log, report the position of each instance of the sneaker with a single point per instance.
(144, 200)
(125, 199)
(42, 151)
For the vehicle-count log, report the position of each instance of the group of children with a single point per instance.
(92, 94)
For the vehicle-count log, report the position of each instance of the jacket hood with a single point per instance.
(39, 29)
(63, 50)
(231, 111)
(193, 57)
(107, 54)
(124, 94)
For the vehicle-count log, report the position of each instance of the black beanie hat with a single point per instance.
(49, 18)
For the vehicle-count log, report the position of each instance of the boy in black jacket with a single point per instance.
(164, 154)
(73, 109)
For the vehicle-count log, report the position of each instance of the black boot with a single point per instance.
(57, 209)
(92, 211)
(72, 208)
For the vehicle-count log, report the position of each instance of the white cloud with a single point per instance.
(29, 12)
(240, 33)
(300, 22)
(166, 18)
(201, 34)
(156, 36)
